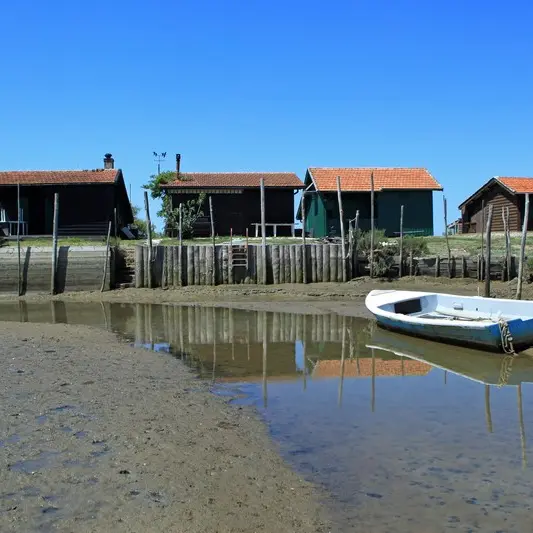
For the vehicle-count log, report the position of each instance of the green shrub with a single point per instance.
(417, 245)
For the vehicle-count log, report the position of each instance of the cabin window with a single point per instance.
(408, 307)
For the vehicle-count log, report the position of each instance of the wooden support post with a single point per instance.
(446, 234)
(371, 264)
(214, 276)
(505, 215)
(487, 255)
(343, 237)
(263, 233)
(149, 230)
(437, 266)
(54, 244)
(464, 266)
(180, 224)
(356, 243)
(482, 237)
(411, 270)
(18, 241)
(522, 250)
(401, 242)
(304, 247)
(106, 258)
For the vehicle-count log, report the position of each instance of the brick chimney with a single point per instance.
(178, 165)
(109, 162)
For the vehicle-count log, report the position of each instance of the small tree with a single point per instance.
(191, 210)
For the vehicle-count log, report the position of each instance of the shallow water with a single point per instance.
(421, 442)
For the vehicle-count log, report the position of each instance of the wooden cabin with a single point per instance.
(501, 193)
(236, 200)
(393, 187)
(87, 199)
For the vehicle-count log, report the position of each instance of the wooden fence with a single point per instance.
(175, 266)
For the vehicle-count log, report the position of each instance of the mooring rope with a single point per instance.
(507, 339)
(508, 348)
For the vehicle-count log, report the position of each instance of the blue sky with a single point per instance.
(270, 86)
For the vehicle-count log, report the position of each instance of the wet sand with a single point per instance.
(98, 436)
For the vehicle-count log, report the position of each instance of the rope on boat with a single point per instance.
(508, 348)
(507, 339)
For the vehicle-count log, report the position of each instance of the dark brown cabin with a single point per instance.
(501, 193)
(236, 200)
(87, 200)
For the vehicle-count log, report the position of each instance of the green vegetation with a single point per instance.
(190, 211)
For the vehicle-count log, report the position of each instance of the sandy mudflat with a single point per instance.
(97, 436)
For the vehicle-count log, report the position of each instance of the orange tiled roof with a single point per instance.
(517, 185)
(244, 180)
(59, 177)
(358, 179)
(392, 367)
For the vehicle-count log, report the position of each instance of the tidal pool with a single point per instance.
(405, 435)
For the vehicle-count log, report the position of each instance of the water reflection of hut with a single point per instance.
(363, 368)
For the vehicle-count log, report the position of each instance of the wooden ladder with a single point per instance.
(238, 253)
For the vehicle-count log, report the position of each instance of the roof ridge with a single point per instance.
(242, 172)
(64, 170)
(361, 168)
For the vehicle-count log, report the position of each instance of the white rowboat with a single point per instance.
(490, 323)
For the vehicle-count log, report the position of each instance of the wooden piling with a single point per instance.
(446, 235)
(149, 231)
(106, 258)
(522, 250)
(190, 264)
(203, 266)
(356, 244)
(304, 261)
(263, 232)
(275, 263)
(487, 254)
(464, 266)
(139, 267)
(400, 272)
(371, 261)
(343, 237)
(197, 264)
(287, 262)
(18, 242)
(54, 244)
(332, 249)
(319, 263)
(299, 251)
(508, 251)
(292, 257)
(482, 239)
(312, 249)
(213, 254)
(437, 266)
(325, 262)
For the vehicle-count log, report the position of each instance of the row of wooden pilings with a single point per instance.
(177, 266)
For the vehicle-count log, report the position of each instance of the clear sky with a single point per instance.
(270, 86)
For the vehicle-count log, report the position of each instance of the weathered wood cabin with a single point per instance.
(87, 199)
(236, 199)
(393, 187)
(502, 193)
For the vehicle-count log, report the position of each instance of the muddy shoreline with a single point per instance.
(98, 436)
(344, 298)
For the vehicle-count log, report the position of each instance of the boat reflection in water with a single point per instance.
(486, 369)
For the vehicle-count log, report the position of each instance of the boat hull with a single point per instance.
(488, 338)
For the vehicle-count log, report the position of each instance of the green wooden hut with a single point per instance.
(393, 187)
